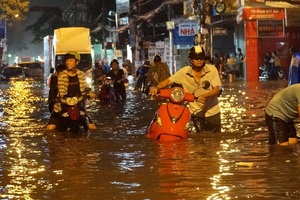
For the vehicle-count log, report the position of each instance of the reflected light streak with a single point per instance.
(230, 113)
(17, 105)
(226, 147)
(128, 161)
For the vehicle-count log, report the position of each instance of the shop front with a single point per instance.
(267, 29)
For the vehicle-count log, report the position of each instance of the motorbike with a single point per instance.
(172, 119)
(107, 93)
(74, 116)
(281, 74)
(265, 73)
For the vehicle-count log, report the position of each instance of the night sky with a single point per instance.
(34, 50)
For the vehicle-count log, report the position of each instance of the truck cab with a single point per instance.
(69, 39)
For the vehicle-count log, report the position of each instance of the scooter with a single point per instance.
(172, 120)
(265, 73)
(107, 93)
(74, 117)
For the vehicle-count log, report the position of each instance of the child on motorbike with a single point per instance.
(204, 82)
(70, 82)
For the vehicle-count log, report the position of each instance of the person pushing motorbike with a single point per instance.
(204, 82)
(71, 83)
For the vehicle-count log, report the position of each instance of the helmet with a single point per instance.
(157, 58)
(147, 62)
(197, 52)
(73, 54)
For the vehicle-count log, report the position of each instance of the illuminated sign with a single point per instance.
(188, 29)
(270, 28)
(264, 13)
(122, 6)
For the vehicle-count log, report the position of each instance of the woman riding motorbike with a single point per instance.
(70, 83)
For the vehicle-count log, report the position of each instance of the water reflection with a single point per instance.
(18, 102)
(119, 162)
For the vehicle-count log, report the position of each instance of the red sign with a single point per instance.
(270, 28)
(264, 13)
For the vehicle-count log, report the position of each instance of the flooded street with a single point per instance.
(118, 162)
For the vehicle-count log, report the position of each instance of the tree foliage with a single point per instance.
(10, 8)
(50, 19)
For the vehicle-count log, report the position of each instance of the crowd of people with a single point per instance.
(202, 77)
(271, 66)
(150, 77)
(230, 66)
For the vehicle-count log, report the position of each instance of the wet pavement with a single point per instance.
(118, 162)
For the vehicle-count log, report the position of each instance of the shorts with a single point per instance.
(280, 130)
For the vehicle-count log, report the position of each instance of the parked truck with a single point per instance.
(68, 39)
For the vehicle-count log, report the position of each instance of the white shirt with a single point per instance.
(210, 74)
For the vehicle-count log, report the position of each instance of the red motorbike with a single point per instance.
(172, 120)
(73, 116)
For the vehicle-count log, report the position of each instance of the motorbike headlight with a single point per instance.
(177, 95)
(72, 101)
(89, 80)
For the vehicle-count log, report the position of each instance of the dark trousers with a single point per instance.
(207, 124)
(120, 91)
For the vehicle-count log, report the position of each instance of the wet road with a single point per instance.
(118, 162)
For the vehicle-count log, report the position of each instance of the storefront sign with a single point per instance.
(188, 29)
(220, 31)
(263, 13)
(270, 28)
(184, 33)
(122, 6)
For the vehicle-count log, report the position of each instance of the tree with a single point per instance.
(50, 19)
(11, 9)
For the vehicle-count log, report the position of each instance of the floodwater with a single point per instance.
(118, 162)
